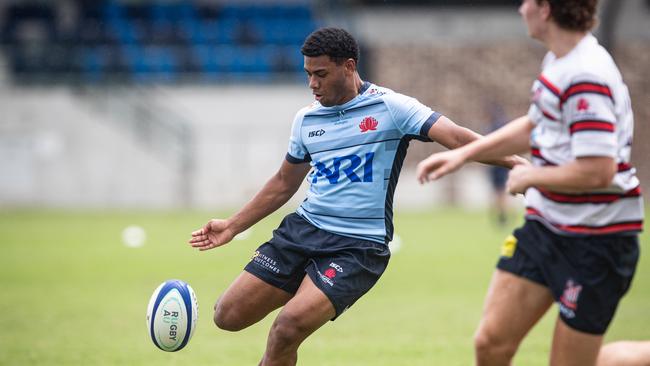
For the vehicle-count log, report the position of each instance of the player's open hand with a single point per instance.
(438, 165)
(214, 234)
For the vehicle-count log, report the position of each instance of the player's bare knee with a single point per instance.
(488, 345)
(227, 318)
(625, 353)
(287, 330)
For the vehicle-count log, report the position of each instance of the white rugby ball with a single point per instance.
(172, 315)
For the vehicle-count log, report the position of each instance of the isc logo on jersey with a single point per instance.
(316, 133)
(171, 315)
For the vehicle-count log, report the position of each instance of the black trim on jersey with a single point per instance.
(588, 198)
(433, 118)
(398, 161)
(322, 115)
(364, 87)
(342, 217)
(591, 125)
(595, 120)
(615, 228)
(345, 147)
(586, 87)
(294, 160)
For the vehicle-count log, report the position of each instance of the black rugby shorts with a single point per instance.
(344, 268)
(588, 275)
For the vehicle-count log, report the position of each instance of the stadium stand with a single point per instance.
(161, 82)
(106, 41)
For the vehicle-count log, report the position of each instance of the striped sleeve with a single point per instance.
(543, 93)
(534, 113)
(588, 108)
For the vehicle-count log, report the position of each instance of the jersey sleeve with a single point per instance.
(588, 110)
(534, 113)
(544, 98)
(297, 152)
(410, 116)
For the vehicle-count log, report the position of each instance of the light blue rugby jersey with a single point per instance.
(356, 152)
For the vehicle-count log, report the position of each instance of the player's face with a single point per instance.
(535, 16)
(330, 83)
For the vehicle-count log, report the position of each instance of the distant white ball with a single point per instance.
(134, 236)
(171, 315)
(395, 245)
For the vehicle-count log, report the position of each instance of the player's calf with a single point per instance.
(288, 331)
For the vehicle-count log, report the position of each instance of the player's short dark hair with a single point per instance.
(576, 15)
(336, 43)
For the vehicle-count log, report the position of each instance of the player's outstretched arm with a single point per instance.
(496, 148)
(275, 193)
(582, 174)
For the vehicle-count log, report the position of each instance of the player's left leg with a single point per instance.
(339, 273)
(588, 294)
(574, 348)
(307, 311)
(625, 353)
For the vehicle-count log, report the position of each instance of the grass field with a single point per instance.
(73, 294)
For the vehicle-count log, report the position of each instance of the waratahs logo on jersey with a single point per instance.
(583, 105)
(330, 273)
(368, 124)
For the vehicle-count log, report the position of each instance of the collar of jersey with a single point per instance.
(587, 40)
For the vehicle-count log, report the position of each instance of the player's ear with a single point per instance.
(546, 10)
(350, 65)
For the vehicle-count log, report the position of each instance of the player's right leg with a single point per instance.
(269, 281)
(512, 306)
(340, 271)
(247, 301)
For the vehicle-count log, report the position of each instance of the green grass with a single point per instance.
(73, 294)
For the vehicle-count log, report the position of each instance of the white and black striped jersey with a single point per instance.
(581, 108)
